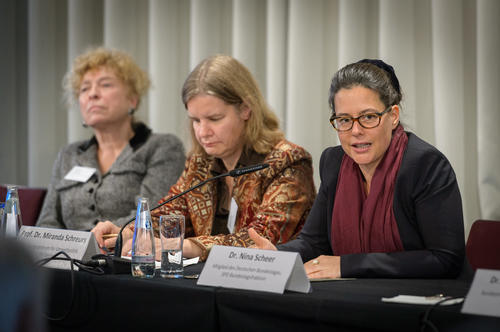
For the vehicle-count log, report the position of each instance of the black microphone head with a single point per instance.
(118, 244)
(245, 170)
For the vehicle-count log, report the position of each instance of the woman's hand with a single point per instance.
(102, 229)
(127, 247)
(190, 249)
(260, 241)
(157, 249)
(323, 267)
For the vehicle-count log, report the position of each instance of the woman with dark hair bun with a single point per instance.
(389, 204)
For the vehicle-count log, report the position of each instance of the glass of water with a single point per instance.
(171, 238)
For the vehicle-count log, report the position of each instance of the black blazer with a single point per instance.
(428, 210)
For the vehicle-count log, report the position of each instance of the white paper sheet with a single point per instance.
(425, 300)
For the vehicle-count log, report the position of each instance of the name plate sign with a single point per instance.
(484, 294)
(254, 269)
(46, 242)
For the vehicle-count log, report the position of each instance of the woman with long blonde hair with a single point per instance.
(232, 126)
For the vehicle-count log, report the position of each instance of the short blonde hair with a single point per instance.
(226, 78)
(119, 62)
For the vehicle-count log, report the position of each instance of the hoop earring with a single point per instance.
(84, 125)
(131, 111)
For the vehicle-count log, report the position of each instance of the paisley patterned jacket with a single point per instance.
(274, 201)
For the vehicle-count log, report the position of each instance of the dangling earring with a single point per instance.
(131, 111)
(84, 125)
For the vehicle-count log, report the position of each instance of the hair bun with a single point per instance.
(387, 68)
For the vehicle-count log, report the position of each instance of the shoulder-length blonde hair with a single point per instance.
(226, 78)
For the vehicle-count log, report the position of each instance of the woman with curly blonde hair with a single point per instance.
(122, 160)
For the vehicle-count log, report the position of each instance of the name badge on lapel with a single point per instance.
(80, 174)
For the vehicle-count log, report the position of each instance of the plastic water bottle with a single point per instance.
(143, 245)
(11, 217)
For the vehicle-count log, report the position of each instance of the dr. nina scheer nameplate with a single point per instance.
(45, 242)
(254, 269)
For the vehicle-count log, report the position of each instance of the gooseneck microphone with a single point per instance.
(234, 173)
(245, 170)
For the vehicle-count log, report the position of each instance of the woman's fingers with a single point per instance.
(105, 228)
(260, 241)
(323, 267)
(127, 247)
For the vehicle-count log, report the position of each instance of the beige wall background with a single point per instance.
(445, 53)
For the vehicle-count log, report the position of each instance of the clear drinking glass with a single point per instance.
(143, 244)
(172, 238)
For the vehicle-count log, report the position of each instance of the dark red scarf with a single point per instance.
(362, 223)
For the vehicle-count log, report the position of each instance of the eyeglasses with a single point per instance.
(367, 120)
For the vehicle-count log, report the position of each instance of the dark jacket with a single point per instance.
(428, 210)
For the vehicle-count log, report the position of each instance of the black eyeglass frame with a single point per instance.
(378, 114)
